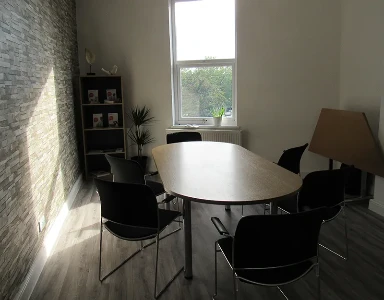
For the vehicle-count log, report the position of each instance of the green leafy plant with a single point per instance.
(218, 112)
(138, 135)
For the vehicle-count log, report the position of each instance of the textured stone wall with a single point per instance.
(38, 149)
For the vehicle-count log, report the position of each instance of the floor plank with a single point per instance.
(72, 270)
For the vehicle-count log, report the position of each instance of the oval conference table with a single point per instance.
(220, 173)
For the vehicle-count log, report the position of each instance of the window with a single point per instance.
(204, 60)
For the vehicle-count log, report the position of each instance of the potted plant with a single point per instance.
(139, 135)
(217, 115)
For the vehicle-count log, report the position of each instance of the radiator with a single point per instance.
(232, 136)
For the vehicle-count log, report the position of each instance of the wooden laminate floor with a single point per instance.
(72, 270)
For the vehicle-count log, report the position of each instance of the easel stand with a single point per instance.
(363, 188)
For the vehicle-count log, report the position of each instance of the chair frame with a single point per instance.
(157, 241)
(301, 147)
(343, 211)
(343, 207)
(315, 266)
(167, 199)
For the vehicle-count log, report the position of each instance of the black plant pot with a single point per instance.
(142, 161)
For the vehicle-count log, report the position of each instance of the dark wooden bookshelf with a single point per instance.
(98, 141)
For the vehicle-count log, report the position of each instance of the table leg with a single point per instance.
(187, 240)
(273, 208)
(227, 207)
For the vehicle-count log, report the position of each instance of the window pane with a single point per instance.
(204, 89)
(205, 29)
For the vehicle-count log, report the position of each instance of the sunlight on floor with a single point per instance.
(80, 230)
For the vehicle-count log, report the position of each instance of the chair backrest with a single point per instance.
(272, 241)
(185, 136)
(128, 204)
(322, 189)
(125, 171)
(290, 159)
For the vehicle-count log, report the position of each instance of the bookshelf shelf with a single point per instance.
(101, 104)
(103, 128)
(105, 138)
(102, 153)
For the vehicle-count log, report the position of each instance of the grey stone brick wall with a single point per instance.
(39, 160)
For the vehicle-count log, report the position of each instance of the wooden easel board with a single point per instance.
(345, 136)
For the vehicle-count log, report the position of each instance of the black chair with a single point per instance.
(271, 250)
(322, 189)
(130, 212)
(130, 171)
(290, 160)
(184, 136)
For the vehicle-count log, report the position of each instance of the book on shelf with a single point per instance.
(111, 95)
(113, 119)
(97, 120)
(93, 96)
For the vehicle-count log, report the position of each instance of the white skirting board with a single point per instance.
(49, 241)
(376, 207)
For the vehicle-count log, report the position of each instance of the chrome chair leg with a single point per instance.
(157, 261)
(178, 209)
(101, 243)
(281, 291)
(157, 295)
(317, 270)
(163, 237)
(346, 234)
(235, 287)
(346, 239)
(115, 269)
(215, 294)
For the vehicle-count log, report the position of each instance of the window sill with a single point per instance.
(205, 127)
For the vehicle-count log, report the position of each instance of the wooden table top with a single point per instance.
(222, 173)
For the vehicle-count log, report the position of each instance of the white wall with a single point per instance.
(134, 35)
(288, 69)
(362, 57)
(362, 68)
(288, 64)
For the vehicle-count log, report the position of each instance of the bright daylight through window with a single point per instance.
(204, 60)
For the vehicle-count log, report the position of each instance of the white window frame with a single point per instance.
(176, 77)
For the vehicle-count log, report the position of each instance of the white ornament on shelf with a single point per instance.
(112, 72)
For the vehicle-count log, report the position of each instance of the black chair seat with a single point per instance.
(328, 214)
(277, 276)
(135, 233)
(156, 187)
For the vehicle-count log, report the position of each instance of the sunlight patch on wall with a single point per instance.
(43, 152)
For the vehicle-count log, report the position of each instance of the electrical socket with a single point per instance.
(41, 224)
